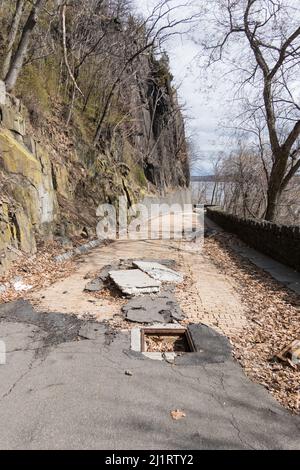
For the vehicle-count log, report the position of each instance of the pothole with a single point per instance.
(161, 342)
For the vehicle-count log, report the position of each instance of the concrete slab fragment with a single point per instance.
(283, 274)
(161, 309)
(134, 282)
(159, 272)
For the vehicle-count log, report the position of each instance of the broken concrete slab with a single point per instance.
(134, 282)
(159, 309)
(209, 346)
(94, 286)
(159, 272)
(283, 274)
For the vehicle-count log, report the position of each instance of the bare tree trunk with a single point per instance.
(275, 186)
(214, 193)
(12, 36)
(18, 59)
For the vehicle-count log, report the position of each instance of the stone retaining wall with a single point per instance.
(281, 242)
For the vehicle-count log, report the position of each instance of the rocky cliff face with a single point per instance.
(52, 178)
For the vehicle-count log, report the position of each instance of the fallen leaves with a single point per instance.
(177, 415)
(273, 314)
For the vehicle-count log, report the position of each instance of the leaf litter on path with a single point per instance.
(273, 314)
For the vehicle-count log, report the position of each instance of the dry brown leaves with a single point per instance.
(164, 343)
(37, 271)
(274, 322)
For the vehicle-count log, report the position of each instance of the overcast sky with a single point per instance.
(203, 109)
(215, 100)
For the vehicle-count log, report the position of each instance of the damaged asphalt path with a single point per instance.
(65, 386)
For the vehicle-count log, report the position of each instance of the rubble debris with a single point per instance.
(159, 272)
(15, 250)
(169, 263)
(178, 414)
(159, 309)
(94, 286)
(290, 354)
(92, 331)
(134, 282)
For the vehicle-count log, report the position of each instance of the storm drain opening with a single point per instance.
(173, 340)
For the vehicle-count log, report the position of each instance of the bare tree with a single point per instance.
(143, 36)
(267, 56)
